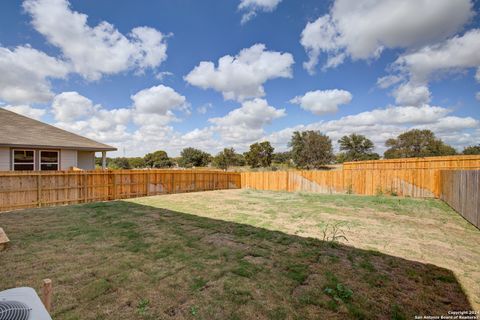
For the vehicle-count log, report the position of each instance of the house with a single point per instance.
(28, 144)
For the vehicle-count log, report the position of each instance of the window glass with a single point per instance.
(23, 160)
(48, 160)
(23, 156)
(49, 166)
(49, 157)
(23, 166)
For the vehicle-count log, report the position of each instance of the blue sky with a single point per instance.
(85, 66)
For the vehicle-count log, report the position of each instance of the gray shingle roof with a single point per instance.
(18, 130)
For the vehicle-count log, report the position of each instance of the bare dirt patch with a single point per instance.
(223, 240)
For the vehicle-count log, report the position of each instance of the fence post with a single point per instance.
(85, 187)
(39, 190)
(147, 182)
(47, 291)
(114, 185)
(287, 181)
(194, 181)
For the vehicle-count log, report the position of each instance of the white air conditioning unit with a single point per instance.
(22, 304)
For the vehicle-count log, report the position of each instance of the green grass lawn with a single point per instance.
(240, 254)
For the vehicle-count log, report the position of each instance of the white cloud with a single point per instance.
(140, 133)
(140, 128)
(320, 102)
(154, 120)
(409, 94)
(388, 81)
(477, 74)
(457, 53)
(76, 113)
(252, 114)
(158, 100)
(198, 134)
(26, 110)
(321, 35)
(242, 77)
(451, 123)
(397, 115)
(253, 6)
(162, 75)
(71, 106)
(150, 47)
(478, 96)
(204, 139)
(105, 120)
(239, 128)
(25, 74)
(246, 123)
(362, 29)
(153, 107)
(98, 50)
(382, 124)
(429, 62)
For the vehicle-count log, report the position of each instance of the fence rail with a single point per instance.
(20, 190)
(417, 177)
(461, 190)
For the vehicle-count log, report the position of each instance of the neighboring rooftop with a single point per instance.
(20, 131)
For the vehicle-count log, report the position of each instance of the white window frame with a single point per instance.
(40, 160)
(13, 159)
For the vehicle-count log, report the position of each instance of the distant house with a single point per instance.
(28, 144)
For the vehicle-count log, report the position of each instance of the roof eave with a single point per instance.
(38, 146)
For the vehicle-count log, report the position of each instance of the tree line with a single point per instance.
(307, 150)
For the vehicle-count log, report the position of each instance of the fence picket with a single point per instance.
(461, 190)
(416, 177)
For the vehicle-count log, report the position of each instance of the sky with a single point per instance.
(164, 75)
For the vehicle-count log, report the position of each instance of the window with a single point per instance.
(48, 160)
(23, 160)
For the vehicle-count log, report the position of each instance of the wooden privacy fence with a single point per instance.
(36, 189)
(461, 190)
(415, 177)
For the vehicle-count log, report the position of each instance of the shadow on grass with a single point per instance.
(122, 260)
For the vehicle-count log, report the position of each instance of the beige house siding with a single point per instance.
(68, 158)
(4, 159)
(86, 160)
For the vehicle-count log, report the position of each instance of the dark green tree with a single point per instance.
(225, 158)
(137, 162)
(119, 163)
(191, 157)
(122, 162)
(158, 159)
(282, 157)
(472, 150)
(239, 160)
(259, 155)
(356, 147)
(311, 149)
(417, 143)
